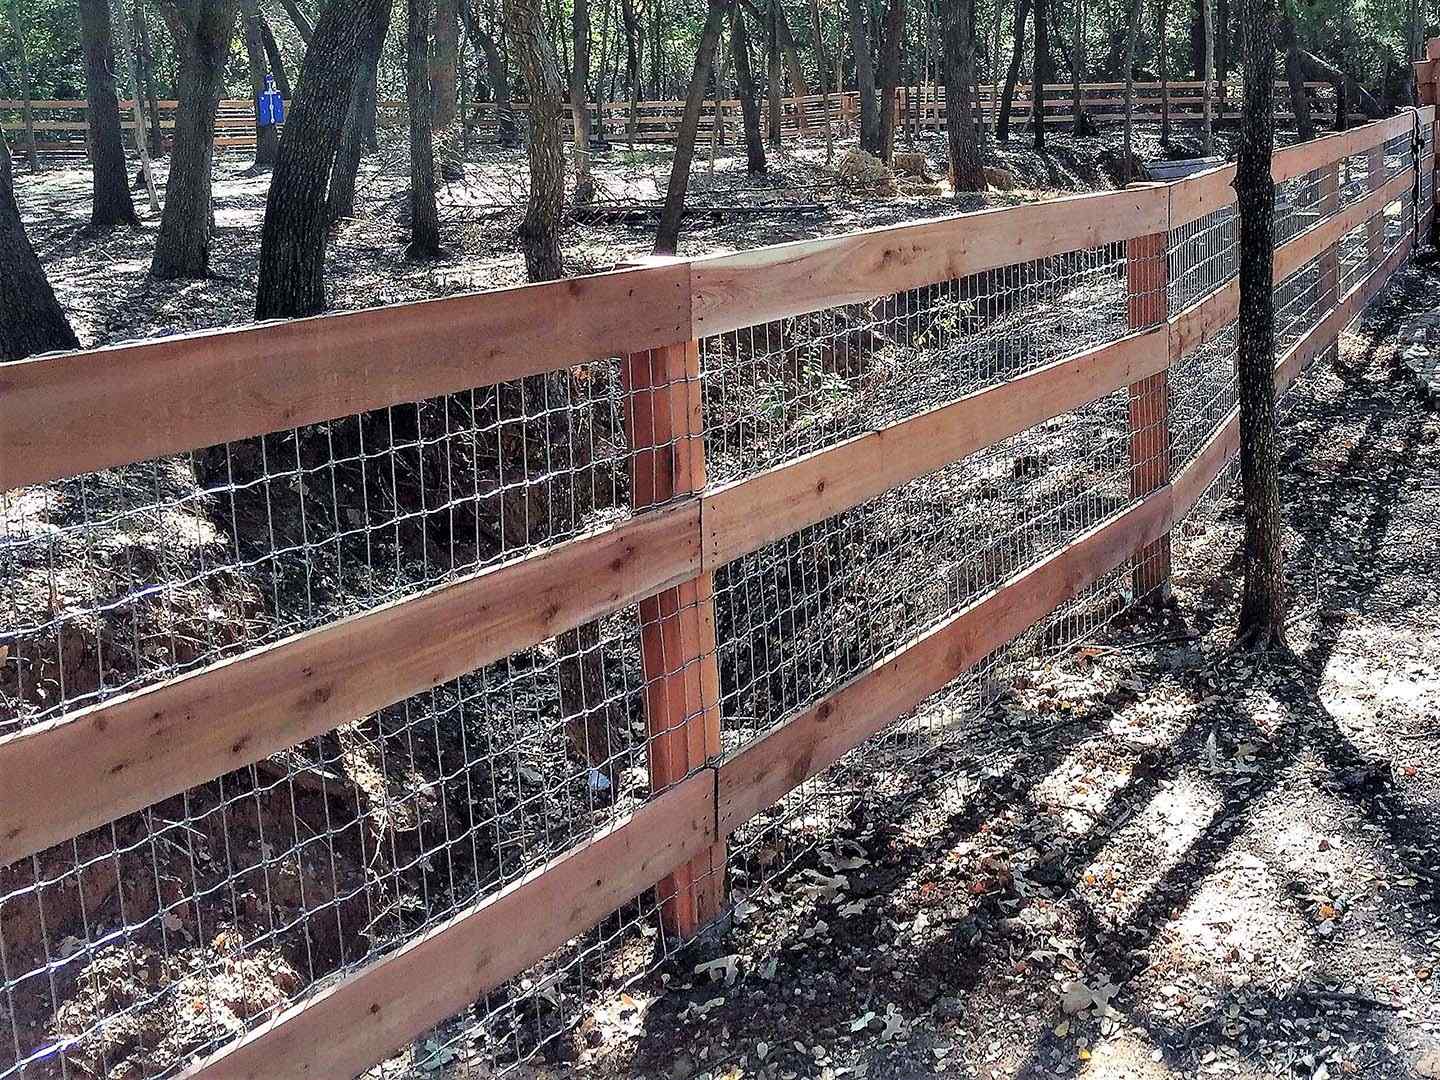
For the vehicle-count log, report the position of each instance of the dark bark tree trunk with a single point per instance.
(302, 23)
(632, 65)
(774, 90)
(822, 70)
(292, 238)
(352, 142)
(540, 230)
(890, 74)
(31, 320)
(32, 154)
(1262, 609)
(1132, 32)
(1207, 75)
(865, 77)
(267, 138)
(507, 130)
(424, 214)
(201, 30)
(1040, 75)
(1012, 73)
(1080, 118)
(1356, 96)
(799, 85)
(580, 100)
(745, 90)
(110, 203)
(442, 72)
(967, 172)
(1162, 38)
(276, 59)
(667, 236)
(1295, 75)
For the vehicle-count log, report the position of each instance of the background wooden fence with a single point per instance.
(1351, 208)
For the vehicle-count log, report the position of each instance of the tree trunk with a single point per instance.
(865, 77)
(1132, 32)
(145, 70)
(292, 238)
(352, 141)
(540, 230)
(890, 47)
(967, 172)
(1207, 75)
(424, 214)
(580, 100)
(632, 66)
(31, 320)
(267, 138)
(507, 130)
(1080, 124)
(822, 70)
(1262, 609)
(444, 64)
(745, 90)
(1295, 75)
(276, 59)
(667, 236)
(27, 91)
(1162, 36)
(110, 203)
(201, 32)
(799, 85)
(142, 132)
(774, 88)
(1012, 73)
(1312, 67)
(1040, 74)
(302, 23)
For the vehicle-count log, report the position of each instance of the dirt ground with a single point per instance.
(1156, 858)
(103, 283)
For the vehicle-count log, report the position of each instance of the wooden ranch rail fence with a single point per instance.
(62, 130)
(71, 414)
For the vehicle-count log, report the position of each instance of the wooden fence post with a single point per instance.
(1147, 276)
(1375, 225)
(1427, 85)
(1329, 263)
(677, 626)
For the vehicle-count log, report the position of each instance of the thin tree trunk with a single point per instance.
(444, 64)
(110, 180)
(31, 319)
(540, 230)
(1262, 608)
(967, 172)
(506, 127)
(667, 236)
(580, 100)
(1295, 76)
(890, 73)
(1132, 32)
(774, 89)
(1207, 130)
(267, 137)
(142, 133)
(294, 233)
(1012, 73)
(346, 172)
(745, 90)
(1040, 74)
(424, 214)
(1162, 36)
(302, 23)
(27, 91)
(276, 59)
(1080, 124)
(633, 33)
(822, 71)
(799, 85)
(865, 78)
(202, 33)
(145, 63)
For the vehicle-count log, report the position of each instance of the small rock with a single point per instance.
(950, 1007)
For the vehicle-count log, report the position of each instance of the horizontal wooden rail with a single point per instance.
(743, 516)
(374, 1012)
(764, 284)
(128, 753)
(72, 413)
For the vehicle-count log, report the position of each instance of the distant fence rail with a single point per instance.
(61, 128)
(355, 666)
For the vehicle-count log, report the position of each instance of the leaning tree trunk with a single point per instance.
(1132, 32)
(865, 77)
(967, 171)
(890, 73)
(1040, 74)
(540, 230)
(27, 91)
(424, 213)
(1207, 105)
(110, 205)
(1262, 608)
(201, 32)
(1295, 77)
(292, 238)
(1012, 73)
(580, 100)
(31, 320)
(352, 142)
(267, 138)
(667, 236)
(507, 131)
(276, 59)
(745, 88)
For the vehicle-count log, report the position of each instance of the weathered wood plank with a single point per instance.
(749, 513)
(363, 1019)
(122, 755)
(72, 413)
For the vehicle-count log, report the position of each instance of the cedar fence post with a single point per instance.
(1427, 85)
(1147, 277)
(677, 627)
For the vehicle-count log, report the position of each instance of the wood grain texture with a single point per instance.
(760, 286)
(375, 1012)
(125, 754)
(758, 775)
(745, 515)
(67, 414)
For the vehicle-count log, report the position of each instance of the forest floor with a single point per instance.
(104, 284)
(1154, 858)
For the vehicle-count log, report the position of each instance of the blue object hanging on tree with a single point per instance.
(269, 106)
